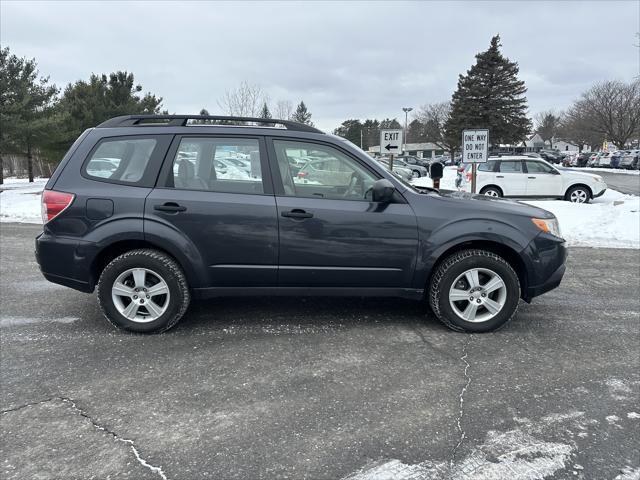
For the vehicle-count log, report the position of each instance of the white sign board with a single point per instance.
(475, 146)
(391, 142)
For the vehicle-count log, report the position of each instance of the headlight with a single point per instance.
(548, 225)
(598, 178)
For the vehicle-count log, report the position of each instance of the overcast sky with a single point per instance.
(345, 60)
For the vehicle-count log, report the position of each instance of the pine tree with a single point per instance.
(26, 107)
(302, 115)
(490, 96)
(265, 113)
(351, 130)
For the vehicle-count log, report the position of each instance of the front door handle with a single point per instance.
(170, 207)
(499, 176)
(531, 177)
(297, 213)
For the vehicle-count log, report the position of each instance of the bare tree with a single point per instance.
(434, 117)
(547, 125)
(283, 110)
(244, 101)
(609, 110)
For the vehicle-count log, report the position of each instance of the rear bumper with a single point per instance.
(65, 261)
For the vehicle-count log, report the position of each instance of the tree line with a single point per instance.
(490, 95)
(39, 119)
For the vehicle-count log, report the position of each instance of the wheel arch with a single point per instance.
(579, 184)
(106, 254)
(510, 255)
(491, 185)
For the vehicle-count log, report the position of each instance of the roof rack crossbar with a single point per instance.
(182, 120)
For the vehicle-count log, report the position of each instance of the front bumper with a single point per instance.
(599, 194)
(545, 257)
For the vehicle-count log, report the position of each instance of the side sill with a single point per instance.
(409, 293)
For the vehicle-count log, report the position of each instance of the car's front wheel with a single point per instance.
(474, 291)
(578, 194)
(143, 291)
(415, 174)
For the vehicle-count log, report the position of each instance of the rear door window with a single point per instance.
(511, 166)
(226, 165)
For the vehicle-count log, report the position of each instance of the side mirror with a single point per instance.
(382, 191)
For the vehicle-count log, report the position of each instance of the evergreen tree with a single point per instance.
(265, 113)
(490, 96)
(370, 133)
(390, 123)
(26, 103)
(351, 130)
(416, 132)
(85, 104)
(302, 115)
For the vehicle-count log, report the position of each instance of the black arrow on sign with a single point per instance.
(389, 146)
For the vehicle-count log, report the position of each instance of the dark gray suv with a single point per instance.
(155, 210)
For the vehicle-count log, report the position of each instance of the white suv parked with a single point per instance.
(522, 176)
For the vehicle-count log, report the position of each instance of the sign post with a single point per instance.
(390, 143)
(475, 149)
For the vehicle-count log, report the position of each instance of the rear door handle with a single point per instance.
(499, 176)
(297, 213)
(170, 207)
(531, 177)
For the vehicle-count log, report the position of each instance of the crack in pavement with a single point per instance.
(461, 397)
(68, 401)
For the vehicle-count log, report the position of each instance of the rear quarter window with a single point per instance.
(126, 160)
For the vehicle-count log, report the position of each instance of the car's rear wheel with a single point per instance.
(474, 291)
(491, 192)
(143, 291)
(415, 173)
(578, 194)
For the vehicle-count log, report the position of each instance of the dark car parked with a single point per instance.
(176, 220)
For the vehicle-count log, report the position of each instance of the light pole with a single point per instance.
(406, 111)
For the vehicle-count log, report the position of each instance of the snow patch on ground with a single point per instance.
(19, 321)
(20, 200)
(628, 473)
(633, 415)
(612, 220)
(511, 454)
(522, 453)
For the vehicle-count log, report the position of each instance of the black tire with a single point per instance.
(455, 265)
(491, 191)
(578, 189)
(416, 174)
(156, 261)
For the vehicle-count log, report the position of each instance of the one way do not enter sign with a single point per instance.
(391, 141)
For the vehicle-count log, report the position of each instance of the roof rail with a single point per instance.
(183, 120)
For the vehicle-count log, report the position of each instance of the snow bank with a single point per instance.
(20, 200)
(612, 220)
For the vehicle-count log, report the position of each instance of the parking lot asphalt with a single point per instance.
(321, 388)
(629, 184)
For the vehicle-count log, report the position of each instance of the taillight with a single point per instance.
(54, 203)
(302, 174)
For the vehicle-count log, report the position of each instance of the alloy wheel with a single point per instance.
(140, 295)
(477, 295)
